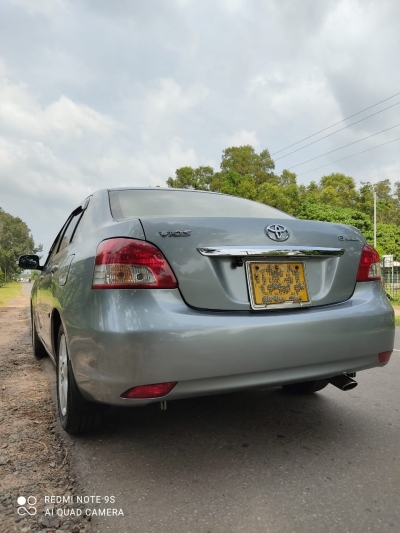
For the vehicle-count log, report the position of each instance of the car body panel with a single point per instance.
(216, 283)
(127, 338)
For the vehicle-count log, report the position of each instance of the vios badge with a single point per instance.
(276, 232)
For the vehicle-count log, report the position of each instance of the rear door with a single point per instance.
(48, 292)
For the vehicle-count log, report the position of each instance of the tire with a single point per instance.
(76, 414)
(39, 350)
(307, 387)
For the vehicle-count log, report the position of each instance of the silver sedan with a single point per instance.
(149, 295)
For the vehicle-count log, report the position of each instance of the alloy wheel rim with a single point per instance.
(63, 376)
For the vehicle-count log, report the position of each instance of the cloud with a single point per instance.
(40, 7)
(20, 112)
(241, 138)
(168, 97)
(157, 108)
(53, 156)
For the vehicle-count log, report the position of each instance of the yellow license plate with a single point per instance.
(277, 283)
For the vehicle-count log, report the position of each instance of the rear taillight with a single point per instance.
(129, 263)
(150, 391)
(384, 357)
(369, 268)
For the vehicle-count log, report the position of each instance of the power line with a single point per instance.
(348, 157)
(336, 123)
(337, 131)
(344, 146)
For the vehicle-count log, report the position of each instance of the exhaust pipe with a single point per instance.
(343, 382)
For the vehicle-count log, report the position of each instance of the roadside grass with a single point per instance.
(9, 291)
(397, 320)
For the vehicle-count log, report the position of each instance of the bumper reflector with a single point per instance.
(384, 356)
(150, 391)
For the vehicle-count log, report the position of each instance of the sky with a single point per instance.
(98, 93)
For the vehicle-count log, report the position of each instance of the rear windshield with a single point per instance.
(139, 203)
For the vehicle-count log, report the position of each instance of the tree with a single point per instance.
(15, 240)
(338, 189)
(387, 239)
(246, 174)
(245, 161)
(341, 215)
(192, 178)
(231, 182)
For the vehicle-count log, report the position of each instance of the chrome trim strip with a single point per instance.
(238, 251)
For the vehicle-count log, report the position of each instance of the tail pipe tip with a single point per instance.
(343, 382)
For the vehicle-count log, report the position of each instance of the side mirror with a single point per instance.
(29, 262)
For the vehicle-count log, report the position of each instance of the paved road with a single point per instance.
(259, 461)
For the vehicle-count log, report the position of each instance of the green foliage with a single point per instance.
(341, 215)
(15, 240)
(231, 182)
(338, 189)
(387, 239)
(192, 178)
(245, 161)
(34, 274)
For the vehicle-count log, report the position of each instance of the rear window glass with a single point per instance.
(138, 203)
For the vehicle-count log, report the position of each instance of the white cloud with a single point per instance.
(231, 6)
(169, 98)
(40, 7)
(21, 112)
(241, 138)
(52, 157)
(159, 111)
(76, 120)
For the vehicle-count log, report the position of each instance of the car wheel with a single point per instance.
(76, 414)
(307, 387)
(39, 350)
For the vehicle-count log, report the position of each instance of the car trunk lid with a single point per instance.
(215, 259)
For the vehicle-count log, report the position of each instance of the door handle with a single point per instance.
(54, 269)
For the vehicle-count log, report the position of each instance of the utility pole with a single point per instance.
(374, 195)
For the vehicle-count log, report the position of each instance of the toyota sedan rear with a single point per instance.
(150, 295)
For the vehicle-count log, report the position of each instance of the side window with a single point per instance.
(54, 246)
(69, 231)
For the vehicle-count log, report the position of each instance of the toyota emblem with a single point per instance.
(276, 232)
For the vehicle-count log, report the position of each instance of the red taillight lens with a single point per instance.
(369, 268)
(129, 263)
(150, 391)
(384, 356)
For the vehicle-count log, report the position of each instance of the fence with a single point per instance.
(391, 280)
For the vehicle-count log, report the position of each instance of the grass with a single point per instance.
(9, 291)
(397, 320)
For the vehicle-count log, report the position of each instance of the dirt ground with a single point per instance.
(33, 457)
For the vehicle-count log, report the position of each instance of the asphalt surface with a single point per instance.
(259, 461)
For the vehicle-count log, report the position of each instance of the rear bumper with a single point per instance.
(142, 337)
